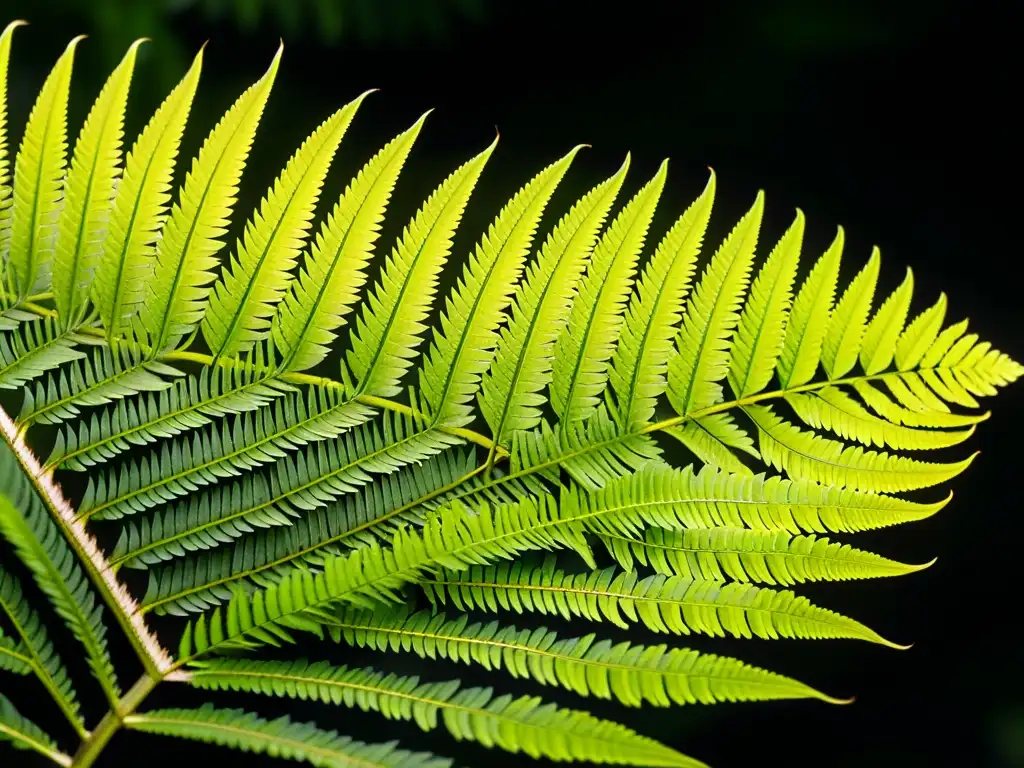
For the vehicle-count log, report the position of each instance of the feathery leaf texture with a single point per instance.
(280, 737)
(524, 724)
(491, 450)
(631, 674)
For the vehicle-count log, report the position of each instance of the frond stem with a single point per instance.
(112, 721)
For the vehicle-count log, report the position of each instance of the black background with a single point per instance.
(892, 119)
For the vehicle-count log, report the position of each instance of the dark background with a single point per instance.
(890, 118)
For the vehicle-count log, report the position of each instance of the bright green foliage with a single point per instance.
(631, 674)
(517, 725)
(501, 450)
(88, 193)
(38, 179)
(278, 738)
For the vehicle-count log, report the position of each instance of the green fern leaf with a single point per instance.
(712, 313)
(832, 409)
(518, 725)
(26, 524)
(582, 355)
(38, 179)
(714, 439)
(920, 335)
(391, 324)
(280, 737)
(186, 250)
(140, 209)
(207, 578)
(5, 171)
(664, 604)
(463, 344)
(32, 349)
(26, 735)
(89, 192)
(640, 362)
(739, 554)
(806, 455)
(845, 335)
(808, 319)
(254, 438)
(883, 332)
(328, 284)
(510, 392)
(762, 328)
(244, 298)
(37, 650)
(630, 674)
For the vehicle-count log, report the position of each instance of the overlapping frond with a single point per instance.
(257, 276)
(40, 545)
(5, 174)
(88, 193)
(631, 674)
(38, 181)
(525, 724)
(185, 253)
(36, 649)
(280, 737)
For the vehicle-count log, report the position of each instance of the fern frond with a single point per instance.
(464, 341)
(832, 409)
(664, 604)
(883, 332)
(32, 349)
(510, 393)
(26, 524)
(223, 451)
(328, 283)
(300, 483)
(89, 192)
(712, 313)
(807, 455)
(280, 737)
(525, 724)
(714, 439)
(5, 171)
(922, 332)
(24, 734)
(631, 674)
(583, 353)
(640, 362)
(207, 578)
(105, 375)
(739, 554)
(761, 332)
(845, 335)
(245, 297)
(187, 247)
(390, 326)
(808, 318)
(163, 412)
(37, 650)
(140, 209)
(38, 179)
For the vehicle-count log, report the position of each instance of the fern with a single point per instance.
(496, 450)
